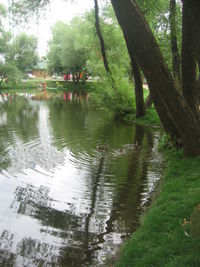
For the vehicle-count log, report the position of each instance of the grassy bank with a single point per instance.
(150, 118)
(51, 84)
(169, 234)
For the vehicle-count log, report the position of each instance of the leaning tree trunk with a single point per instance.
(164, 114)
(174, 47)
(102, 44)
(139, 97)
(176, 116)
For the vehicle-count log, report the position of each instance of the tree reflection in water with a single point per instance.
(75, 204)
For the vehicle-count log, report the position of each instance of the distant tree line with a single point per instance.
(18, 55)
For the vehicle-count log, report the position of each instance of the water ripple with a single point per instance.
(64, 201)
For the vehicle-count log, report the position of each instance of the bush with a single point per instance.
(118, 97)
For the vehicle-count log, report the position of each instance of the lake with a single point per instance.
(73, 180)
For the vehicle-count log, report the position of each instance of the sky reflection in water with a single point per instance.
(63, 202)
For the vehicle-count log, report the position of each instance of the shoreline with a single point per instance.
(169, 234)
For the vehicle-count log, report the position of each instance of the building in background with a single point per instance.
(40, 71)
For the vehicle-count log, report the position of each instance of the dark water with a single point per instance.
(72, 182)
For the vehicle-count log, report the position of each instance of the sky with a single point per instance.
(59, 10)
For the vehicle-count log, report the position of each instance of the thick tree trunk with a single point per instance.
(125, 23)
(139, 97)
(193, 9)
(102, 44)
(189, 57)
(174, 47)
(176, 116)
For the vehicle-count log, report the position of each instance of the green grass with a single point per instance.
(60, 85)
(150, 118)
(161, 240)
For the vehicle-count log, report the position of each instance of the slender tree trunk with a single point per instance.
(73, 78)
(189, 60)
(174, 47)
(139, 97)
(102, 44)
(198, 81)
(198, 69)
(176, 116)
(149, 101)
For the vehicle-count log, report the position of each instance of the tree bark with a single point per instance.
(175, 114)
(191, 26)
(174, 47)
(149, 101)
(189, 57)
(99, 33)
(139, 97)
(193, 9)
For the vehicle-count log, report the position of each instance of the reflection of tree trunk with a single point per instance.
(144, 163)
(174, 46)
(124, 193)
(132, 181)
(2, 96)
(136, 180)
(92, 207)
(149, 137)
(139, 135)
(139, 97)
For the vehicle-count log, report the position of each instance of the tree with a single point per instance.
(4, 35)
(140, 106)
(156, 13)
(190, 52)
(55, 48)
(68, 51)
(176, 116)
(23, 10)
(101, 39)
(23, 52)
(8, 70)
(139, 97)
(176, 65)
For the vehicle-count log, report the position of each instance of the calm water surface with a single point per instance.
(72, 181)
